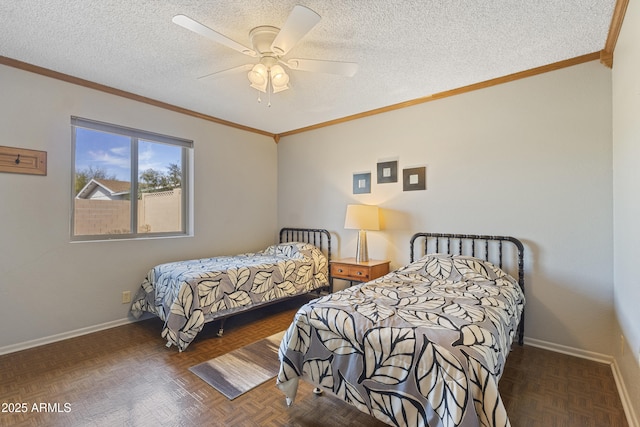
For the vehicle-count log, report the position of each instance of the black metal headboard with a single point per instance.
(488, 248)
(318, 237)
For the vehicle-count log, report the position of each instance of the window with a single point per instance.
(110, 164)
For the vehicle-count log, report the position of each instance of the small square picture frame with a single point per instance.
(387, 172)
(362, 183)
(414, 179)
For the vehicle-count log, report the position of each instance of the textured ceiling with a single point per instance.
(406, 49)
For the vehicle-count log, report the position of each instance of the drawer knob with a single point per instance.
(340, 270)
(359, 273)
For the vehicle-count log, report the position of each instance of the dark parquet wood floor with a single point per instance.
(125, 376)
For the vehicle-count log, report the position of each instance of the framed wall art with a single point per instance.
(414, 179)
(387, 172)
(362, 183)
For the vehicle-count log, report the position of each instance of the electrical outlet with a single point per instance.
(126, 297)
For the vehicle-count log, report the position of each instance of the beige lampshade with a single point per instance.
(362, 217)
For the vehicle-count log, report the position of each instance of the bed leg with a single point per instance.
(317, 391)
(221, 330)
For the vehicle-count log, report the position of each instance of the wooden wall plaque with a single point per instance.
(21, 160)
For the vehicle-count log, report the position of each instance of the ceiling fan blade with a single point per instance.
(300, 21)
(347, 69)
(198, 28)
(234, 70)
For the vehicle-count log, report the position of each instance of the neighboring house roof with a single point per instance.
(112, 187)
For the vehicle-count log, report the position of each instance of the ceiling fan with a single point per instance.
(270, 45)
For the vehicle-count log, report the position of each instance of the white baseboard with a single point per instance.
(632, 419)
(65, 335)
(571, 351)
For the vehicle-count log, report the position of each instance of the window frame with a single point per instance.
(135, 135)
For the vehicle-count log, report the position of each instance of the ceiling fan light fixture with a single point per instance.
(279, 79)
(261, 88)
(258, 75)
(278, 72)
(277, 89)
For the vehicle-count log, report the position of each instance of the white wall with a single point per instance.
(531, 158)
(49, 286)
(626, 190)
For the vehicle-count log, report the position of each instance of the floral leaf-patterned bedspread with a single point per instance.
(187, 294)
(424, 345)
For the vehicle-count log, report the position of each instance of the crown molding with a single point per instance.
(476, 86)
(124, 94)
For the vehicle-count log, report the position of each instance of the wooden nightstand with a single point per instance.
(350, 269)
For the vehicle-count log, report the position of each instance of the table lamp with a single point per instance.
(362, 218)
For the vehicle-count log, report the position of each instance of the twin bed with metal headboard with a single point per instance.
(423, 345)
(188, 294)
(504, 251)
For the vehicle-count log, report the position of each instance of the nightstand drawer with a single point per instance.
(339, 270)
(359, 273)
(349, 269)
(350, 272)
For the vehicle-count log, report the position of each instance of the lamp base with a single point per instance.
(362, 254)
